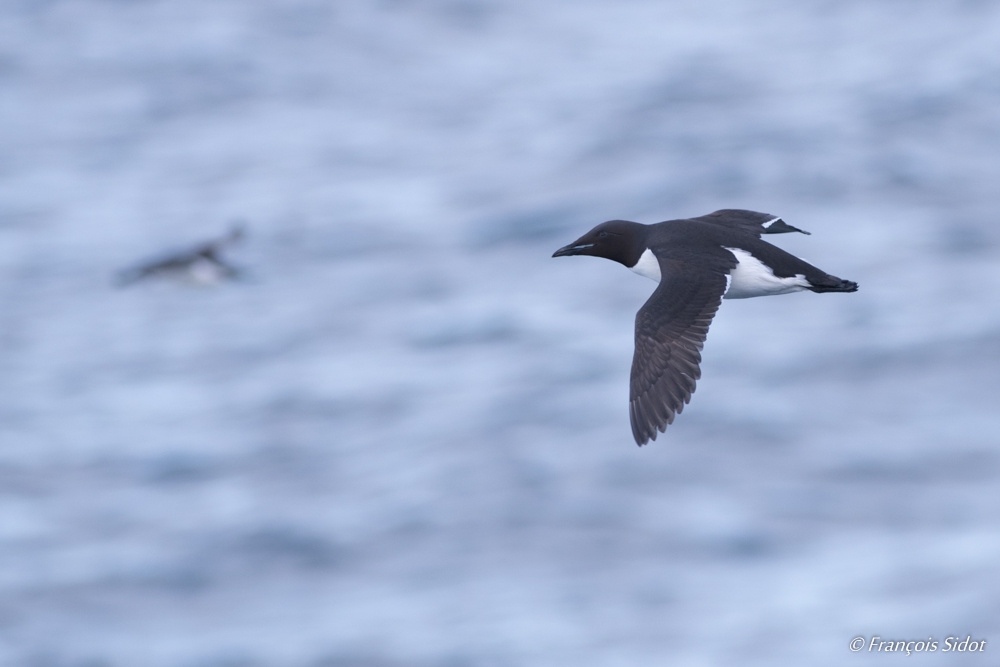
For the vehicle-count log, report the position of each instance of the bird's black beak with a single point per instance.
(572, 249)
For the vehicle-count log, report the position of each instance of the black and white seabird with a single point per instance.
(200, 265)
(698, 262)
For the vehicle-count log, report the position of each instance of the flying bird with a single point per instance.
(201, 265)
(697, 262)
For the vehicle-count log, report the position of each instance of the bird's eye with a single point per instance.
(603, 235)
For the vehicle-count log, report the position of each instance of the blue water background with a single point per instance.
(403, 440)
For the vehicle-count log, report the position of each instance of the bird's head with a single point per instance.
(618, 240)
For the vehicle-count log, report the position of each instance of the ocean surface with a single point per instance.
(402, 439)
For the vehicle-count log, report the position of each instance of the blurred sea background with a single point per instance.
(403, 439)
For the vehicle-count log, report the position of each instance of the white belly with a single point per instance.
(648, 266)
(752, 278)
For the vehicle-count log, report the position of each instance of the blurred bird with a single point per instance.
(698, 262)
(201, 265)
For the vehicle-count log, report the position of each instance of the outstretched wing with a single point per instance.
(749, 221)
(670, 330)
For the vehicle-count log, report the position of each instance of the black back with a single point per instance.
(749, 221)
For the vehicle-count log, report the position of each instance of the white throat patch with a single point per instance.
(647, 266)
(751, 278)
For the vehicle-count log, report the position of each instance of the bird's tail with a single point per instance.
(833, 284)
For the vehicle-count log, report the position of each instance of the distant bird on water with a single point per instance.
(698, 262)
(201, 265)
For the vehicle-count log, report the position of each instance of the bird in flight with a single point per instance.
(201, 265)
(697, 262)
